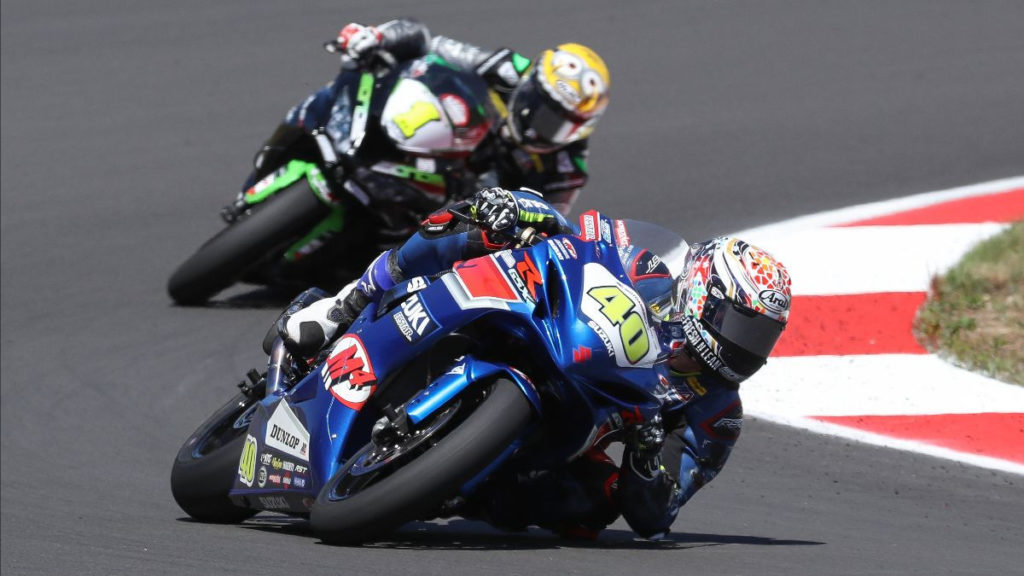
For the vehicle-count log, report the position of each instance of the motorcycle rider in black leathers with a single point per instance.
(550, 107)
(717, 321)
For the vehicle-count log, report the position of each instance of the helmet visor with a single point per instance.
(745, 329)
(536, 121)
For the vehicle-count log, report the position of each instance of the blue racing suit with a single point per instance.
(702, 413)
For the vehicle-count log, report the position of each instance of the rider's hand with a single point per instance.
(359, 41)
(496, 208)
(643, 447)
(646, 438)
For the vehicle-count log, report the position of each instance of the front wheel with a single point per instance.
(282, 219)
(206, 466)
(380, 488)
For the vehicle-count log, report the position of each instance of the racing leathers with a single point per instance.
(497, 161)
(665, 460)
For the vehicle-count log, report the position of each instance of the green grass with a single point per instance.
(975, 313)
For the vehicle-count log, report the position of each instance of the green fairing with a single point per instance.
(286, 176)
(334, 223)
(580, 162)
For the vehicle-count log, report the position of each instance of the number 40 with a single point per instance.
(621, 311)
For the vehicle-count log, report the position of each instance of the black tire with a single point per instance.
(222, 260)
(421, 485)
(206, 466)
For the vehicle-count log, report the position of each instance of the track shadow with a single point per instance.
(261, 297)
(460, 534)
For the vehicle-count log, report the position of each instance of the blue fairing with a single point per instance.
(560, 319)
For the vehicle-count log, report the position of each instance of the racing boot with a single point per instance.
(307, 327)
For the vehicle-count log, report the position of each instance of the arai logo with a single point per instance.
(774, 301)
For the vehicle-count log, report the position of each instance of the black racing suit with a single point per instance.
(497, 161)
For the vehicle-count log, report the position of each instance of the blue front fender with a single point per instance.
(458, 378)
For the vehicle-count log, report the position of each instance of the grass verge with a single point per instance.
(975, 313)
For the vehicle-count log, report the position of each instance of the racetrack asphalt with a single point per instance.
(126, 126)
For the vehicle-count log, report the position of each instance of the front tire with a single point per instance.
(222, 260)
(205, 468)
(415, 488)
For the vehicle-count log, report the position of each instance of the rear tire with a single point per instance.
(420, 486)
(222, 260)
(206, 466)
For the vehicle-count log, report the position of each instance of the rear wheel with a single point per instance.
(206, 466)
(222, 260)
(382, 487)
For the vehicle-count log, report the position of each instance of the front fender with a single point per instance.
(466, 371)
(284, 177)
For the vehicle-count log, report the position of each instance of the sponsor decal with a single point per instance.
(348, 374)
(416, 284)
(276, 463)
(273, 502)
(247, 462)
(653, 263)
(588, 222)
(569, 248)
(531, 204)
(694, 383)
(274, 479)
(621, 235)
(774, 301)
(261, 480)
(557, 250)
(300, 469)
(286, 433)
(528, 272)
(455, 106)
(413, 320)
(604, 337)
(460, 369)
(581, 354)
(606, 232)
(299, 482)
(266, 458)
(699, 346)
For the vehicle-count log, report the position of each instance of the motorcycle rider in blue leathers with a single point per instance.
(718, 322)
(550, 107)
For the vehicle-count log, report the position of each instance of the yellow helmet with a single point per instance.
(560, 99)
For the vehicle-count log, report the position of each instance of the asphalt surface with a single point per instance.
(126, 125)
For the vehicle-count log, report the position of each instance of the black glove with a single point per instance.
(643, 446)
(496, 208)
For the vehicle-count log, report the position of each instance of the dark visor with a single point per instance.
(537, 119)
(746, 329)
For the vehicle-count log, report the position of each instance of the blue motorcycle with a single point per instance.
(523, 359)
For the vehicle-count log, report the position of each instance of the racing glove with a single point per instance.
(359, 41)
(643, 446)
(496, 209)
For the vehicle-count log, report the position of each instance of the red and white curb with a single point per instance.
(848, 364)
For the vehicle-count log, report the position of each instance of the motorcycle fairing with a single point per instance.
(537, 296)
